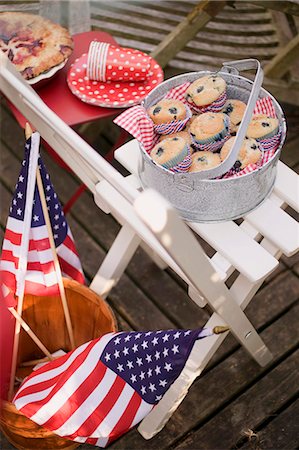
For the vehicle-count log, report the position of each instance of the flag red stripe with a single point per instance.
(7, 255)
(82, 392)
(91, 441)
(9, 279)
(14, 238)
(99, 414)
(34, 244)
(39, 244)
(127, 418)
(44, 369)
(70, 270)
(40, 289)
(69, 243)
(46, 267)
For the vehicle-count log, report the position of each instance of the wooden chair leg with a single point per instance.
(116, 261)
(200, 355)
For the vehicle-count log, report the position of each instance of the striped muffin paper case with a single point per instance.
(176, 164)
(215, 106)
(175, 126)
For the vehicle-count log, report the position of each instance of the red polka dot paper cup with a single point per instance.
(106, 62)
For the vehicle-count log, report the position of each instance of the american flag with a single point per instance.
(41, 276)
(99, 391)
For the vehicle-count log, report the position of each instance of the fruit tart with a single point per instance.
(32, 43)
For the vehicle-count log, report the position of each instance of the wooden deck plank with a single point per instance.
(282, 432)
(268, 304)
(216, 388)
(174, 426)
(249, 410)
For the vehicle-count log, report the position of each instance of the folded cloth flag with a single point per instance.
(40, 277)
(100, 390)
(106, 62)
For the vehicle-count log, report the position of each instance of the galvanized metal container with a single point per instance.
(196, 196)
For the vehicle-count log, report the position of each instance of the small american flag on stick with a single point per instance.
(99, 391)
(40, 277)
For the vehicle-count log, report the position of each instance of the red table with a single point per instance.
(56, 94)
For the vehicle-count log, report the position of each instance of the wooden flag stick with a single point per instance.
(21, 285)
(55, 258)
(28, 132)
(33, 336)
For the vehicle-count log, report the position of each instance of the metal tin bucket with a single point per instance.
(197, 197)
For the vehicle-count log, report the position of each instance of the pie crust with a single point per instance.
(34, 44)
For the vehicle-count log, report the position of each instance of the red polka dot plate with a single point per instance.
(111, 94)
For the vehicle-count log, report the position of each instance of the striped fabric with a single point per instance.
(178, 92)
(41, 278)
(103, 388)
(265, 106)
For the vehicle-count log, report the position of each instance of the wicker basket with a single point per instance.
(91, 317)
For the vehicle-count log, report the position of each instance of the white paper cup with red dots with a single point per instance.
(106, 62)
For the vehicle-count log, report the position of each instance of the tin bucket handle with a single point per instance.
(227, 164)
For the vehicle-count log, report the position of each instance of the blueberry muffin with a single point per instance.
(193, 117)
(167, 110)
(249, 153)
(182, 134)
(203, 161)
(207, 93)
(170, 152)
(209, 131)
(262, 127)
(235, 109)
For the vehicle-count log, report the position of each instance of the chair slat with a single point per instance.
(227, 238)
(238, 248)
(287, 185)
(277, 226)
(128, 156)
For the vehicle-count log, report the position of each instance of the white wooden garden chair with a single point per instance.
(148, 220)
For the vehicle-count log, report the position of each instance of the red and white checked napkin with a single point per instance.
(136, 121)
(106, 62)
